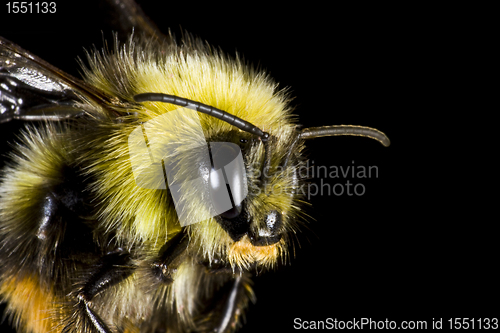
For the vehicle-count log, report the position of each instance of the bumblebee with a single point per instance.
(109, 231)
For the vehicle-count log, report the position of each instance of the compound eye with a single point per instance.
(227, 181)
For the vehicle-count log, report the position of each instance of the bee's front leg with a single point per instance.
(227, 306)
(112, 268)
(170, 257)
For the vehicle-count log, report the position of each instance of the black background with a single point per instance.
(410, 248)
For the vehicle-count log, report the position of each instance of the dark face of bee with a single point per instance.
(230, 179)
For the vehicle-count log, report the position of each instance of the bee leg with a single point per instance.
(170, 257)
(113, 268)
(230, 302)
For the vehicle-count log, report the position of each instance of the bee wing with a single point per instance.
(32, 89)
(126, 16)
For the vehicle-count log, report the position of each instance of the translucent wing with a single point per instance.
(126, 16)
(32, 89)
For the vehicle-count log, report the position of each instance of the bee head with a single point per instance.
(230, 187)
(220, 155)
(248, 197)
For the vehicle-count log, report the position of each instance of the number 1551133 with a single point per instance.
(31, 7)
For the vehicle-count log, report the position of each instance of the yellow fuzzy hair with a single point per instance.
(195, 71)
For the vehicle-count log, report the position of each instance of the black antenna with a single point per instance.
(203, 108)
(335, 130)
